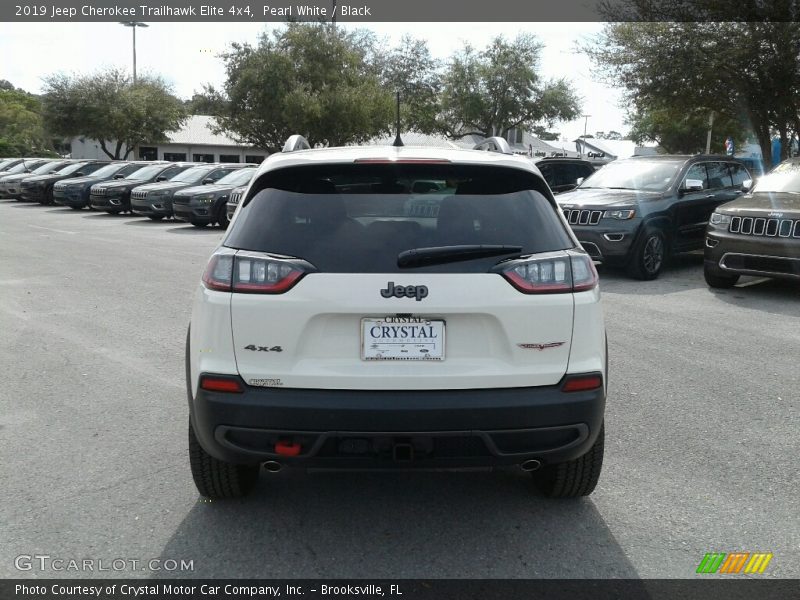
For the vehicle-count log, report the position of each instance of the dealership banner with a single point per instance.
(399, 589)
(391, 11)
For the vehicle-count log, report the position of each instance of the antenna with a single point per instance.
(397, 140)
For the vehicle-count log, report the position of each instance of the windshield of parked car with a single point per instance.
(15, 170)
(783, 178)
(193, 175)
(147, 172)
(653, 176)
(362, 218)
(238, 177)
(49, 168)
(107, 171)
(73, 168)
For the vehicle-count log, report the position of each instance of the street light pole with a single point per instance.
(585, 125)
(133, 25)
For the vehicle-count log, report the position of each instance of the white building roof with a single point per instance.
(197, 132)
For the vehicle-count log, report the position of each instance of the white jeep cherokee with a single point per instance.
(396, 307)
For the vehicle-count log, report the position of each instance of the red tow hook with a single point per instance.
(285, 448)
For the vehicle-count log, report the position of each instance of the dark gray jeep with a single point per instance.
(636, 212)
(759, 233)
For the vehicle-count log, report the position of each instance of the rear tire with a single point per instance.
(648, 255)
(217, 479)
(76, 207)
(156, 217)
(573, 478)
(199, 225)
(716, 279)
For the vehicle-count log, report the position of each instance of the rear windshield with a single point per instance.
(358, 218)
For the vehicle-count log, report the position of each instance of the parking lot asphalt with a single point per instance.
(702, 433)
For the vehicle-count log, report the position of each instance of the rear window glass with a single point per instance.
(358, 218)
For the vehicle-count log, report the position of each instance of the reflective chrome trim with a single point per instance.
(582, 216)
(614, 237)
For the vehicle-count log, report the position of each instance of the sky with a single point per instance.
(186, 55)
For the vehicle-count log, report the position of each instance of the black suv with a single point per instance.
(75, 192)
(635, 212)
(202, 205)
(155, 200)
(563, 174)
(40, 188)
(759, 233)
(115, 196)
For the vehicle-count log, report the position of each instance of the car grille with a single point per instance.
(59, 187)
(583, 217)
(235, 197)
(761, 226)
(98, 191)
(139, 195)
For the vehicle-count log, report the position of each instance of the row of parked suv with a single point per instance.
(197, 193)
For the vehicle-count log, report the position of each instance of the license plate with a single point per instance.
(402, 338)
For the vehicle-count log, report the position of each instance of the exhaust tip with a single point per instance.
(273, 466)
(530, 465)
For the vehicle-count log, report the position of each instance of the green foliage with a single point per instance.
(312, 79)
(680, 132)
(207, 102)
(108, 106)
(491, 91)
(22, 131)
(744, 72)
(410, 70)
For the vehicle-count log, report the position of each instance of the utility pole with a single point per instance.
(133, 25)
(585, 125)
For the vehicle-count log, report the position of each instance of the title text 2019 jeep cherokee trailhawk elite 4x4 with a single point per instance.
(347, 321)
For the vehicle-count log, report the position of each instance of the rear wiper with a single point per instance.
(438, 255)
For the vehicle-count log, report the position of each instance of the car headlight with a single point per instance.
(720, 219)
(156, 194)
(205, 198)
(622, 215)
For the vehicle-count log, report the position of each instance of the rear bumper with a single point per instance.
(433, 428)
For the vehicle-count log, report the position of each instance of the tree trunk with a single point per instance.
(104, 149)
(784, 142)
(118, 150)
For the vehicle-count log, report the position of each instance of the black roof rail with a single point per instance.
(296, 142)
(494, 144)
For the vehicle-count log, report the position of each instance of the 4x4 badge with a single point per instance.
(408, 291)
(541, 346)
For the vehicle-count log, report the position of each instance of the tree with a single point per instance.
(22, 131)
(746, 72)
(207, 102)
(107, 106)
(491, 91)
(679, 132)
(411, 70)
(312, 79)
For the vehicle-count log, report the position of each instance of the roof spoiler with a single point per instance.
(494, 144)
(296, 142)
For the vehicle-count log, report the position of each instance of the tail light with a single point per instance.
(582, 383)
(220, 384)
(249, 273)
(552, 273)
